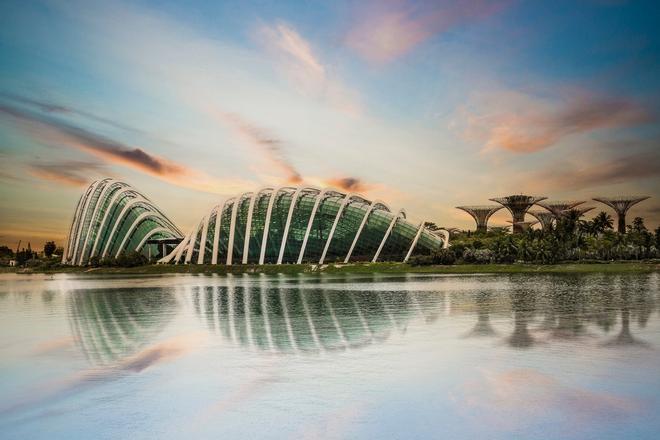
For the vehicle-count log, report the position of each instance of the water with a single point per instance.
(501, 356)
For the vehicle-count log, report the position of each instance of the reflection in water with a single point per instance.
(110, 325)
(523, 304)
(570, 305)
(483, 327)
(308, 320)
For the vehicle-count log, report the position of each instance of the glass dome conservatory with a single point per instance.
(303, 225)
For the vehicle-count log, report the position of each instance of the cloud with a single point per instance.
(50, 107)
(385, 31)
(522, 123)
(164, 351)
(569, 176)
(71, 173)
(516, 397)
(53, 131)
(352, 184)
(304, 68)
(270, 146)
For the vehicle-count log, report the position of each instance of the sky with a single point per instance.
(425, 105)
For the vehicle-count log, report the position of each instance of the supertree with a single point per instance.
(558, 207)
(518, 205)
(481, 214)
(621, 205)
(543, 216)
(522, 226)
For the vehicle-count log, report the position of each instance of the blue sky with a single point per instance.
(426, 105)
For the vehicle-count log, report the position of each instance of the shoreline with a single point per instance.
(358, 268)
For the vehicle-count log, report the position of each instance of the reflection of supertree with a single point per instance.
(310, 320)
(625, 336)
(523, 303)
(109, 325)
(635, 301)
(483, 301)
(569, 306)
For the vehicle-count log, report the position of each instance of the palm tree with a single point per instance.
(601, 222)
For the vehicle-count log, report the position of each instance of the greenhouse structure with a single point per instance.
(304, 225)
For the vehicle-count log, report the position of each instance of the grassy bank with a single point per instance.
(612, 267)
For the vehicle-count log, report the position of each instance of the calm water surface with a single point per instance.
(501, 356)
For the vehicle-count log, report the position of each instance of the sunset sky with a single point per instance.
(425, 105)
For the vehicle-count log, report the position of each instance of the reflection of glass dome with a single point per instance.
(305, 224)
(310, 320)
(112, 217)
(109, 325)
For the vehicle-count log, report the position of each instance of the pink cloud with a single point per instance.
(522, 123)
(388, 30)
(515, 398)
(304, 67)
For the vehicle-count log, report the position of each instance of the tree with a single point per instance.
(638, 225)
(49, 248)
(601, 222)
(6, 252)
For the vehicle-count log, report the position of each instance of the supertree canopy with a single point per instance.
(518, 204)
(621, 205)
(481, 214)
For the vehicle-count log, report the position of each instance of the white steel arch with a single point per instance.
(346, 201)
(99, 202)
(269, 211)
(285, 236)
(202, 241)
(83, 214)
(248, 228)
(122, 214)
(216, 232)
(387, 234)
(65, 254)
(414, 242)
(364, 222)
(148, 236)
(232, 225)
(134, 225)
(178, 253)
(111, 206)
(191, 245)
(319, 197)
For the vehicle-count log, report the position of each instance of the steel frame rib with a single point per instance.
(83, 214)
(202, 241)
(387, 234)
(414, 242)
(110, 208)
(216, 232)
(149, 235)
(362, 224)
(289, 215)
(191, 245)
(248, 227)
(317, 202)
(133, 226)
(108, 184)
(120, 219)
(232, 225)
(344, 202)
(269, 211)
(65, 254)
